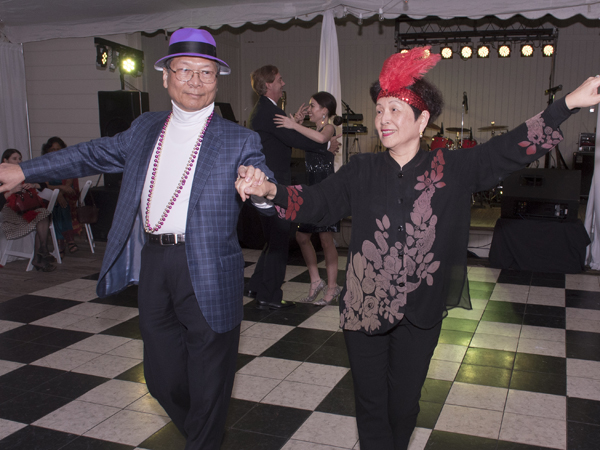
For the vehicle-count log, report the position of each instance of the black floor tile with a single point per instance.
(272, 420)
(30, 406)
(23, 315)
(27, 352)
(167, 438)
(36, 438)
(128, 297)
(455, 337)
(129, 329)
(548, 383)
(483, 375)
(487, 357)
(70, 385)
(253, 314)
(238, 439)
(583, 345)
(308, 336)
(62, 338)
(526, 362)
(330, 355)
(346, 382)
(435, 391)
(285, 318)
(505, 445)
(555, 280)
(580, 436)
(94, 276)
(543, 310)
(450, 323)
(135, 374)
(583, 410)
(336, 340)
(56, 304)
(442, 440)
(27, 333)
(515, 277)
(502, 317)
(8, 393)
(512, 307)
(582, 299)
(86, 443)
(296, 351)
(429, 414)
(29, 377)
(242, 360)
(338, 401)
(535, 320)
(237, 409)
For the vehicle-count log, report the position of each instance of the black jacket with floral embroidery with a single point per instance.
(410, 225)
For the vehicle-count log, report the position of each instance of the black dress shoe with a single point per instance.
(250, 293)
(261, 304)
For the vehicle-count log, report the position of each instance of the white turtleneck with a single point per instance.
(179, 141)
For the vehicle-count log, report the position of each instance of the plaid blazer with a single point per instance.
(213, 252)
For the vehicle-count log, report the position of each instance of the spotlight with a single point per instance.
(483, 51)
(527, 50)
(548, 50)
(466, 52)
(128, 64)
(504, 51)
(404, 50)
(446, 52)
(101, 56)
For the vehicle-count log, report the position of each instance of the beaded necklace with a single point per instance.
(149, 228)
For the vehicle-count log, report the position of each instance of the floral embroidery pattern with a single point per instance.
(294, 202)
(379, 278)
(539, 134)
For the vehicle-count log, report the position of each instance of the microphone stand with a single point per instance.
(465, 109)
(346, 144)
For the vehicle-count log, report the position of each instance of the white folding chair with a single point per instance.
(88, 228)
(31, 255)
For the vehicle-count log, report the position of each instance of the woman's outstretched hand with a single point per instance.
(253, 181)
(585, 95)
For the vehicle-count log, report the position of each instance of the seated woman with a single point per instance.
(15, 225)
(66, 224)
(321, 110)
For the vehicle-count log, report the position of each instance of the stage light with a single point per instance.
(548, 50)
(526, 50)
(101, 56)
(128, 65)
(447, 52)
(404, 50)
(504, 51)
(483, 51)
(466, 52)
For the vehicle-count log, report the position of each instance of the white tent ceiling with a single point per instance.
(35, 20)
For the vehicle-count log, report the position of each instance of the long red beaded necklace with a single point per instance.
(184, 177)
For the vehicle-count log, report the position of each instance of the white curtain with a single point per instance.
(329, 69)
(13, 100)
(592, 219)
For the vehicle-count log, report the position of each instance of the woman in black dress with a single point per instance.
(321, 111)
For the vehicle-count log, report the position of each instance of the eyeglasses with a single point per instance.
(185, 75)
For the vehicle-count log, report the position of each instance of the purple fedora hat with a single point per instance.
(193, 42)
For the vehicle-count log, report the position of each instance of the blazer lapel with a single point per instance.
(146, 155)
(209, 151)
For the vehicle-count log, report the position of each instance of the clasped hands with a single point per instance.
(253, 181)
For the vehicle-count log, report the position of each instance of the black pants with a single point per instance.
(188, 367)
(270, 269)
(389, 371)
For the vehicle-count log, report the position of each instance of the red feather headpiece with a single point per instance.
(401, 70)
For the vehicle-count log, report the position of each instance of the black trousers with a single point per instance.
(188, 367)
(389, 371)
(270, 269)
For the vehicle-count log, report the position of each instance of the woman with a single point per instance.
(66, 224)
(410, 223)
(321, 110)
(15, 225)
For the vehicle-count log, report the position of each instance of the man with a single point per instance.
(178, 200)
(277, 144)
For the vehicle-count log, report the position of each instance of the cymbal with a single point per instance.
(493, 128)
(433, 126)
(457, 129)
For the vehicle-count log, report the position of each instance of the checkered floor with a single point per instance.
(521, 371)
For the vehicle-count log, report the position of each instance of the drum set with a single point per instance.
(442, 140)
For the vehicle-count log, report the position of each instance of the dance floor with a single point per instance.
(521, 371)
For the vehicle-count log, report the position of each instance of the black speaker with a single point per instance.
(117, 110)
(541, 194)
(584, 161)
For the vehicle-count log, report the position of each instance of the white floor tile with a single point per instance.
(328, 429)
(297, 395)
(470, 421)
(533, 430)
(128, 427)
(77, 417)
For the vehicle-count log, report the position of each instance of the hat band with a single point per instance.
(406, 95)
(201, 48)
